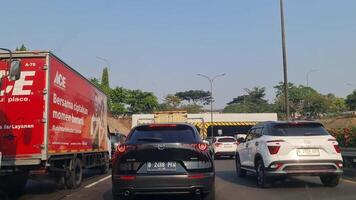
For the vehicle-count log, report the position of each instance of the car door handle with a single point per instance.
(256, 143)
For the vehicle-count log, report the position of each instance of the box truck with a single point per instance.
(53, 121)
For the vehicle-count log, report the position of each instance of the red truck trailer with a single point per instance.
(53, 121)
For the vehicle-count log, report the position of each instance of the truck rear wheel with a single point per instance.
(75, 174)
(104, 169)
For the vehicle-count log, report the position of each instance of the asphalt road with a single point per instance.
(228, 186)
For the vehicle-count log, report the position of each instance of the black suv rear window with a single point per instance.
(226, 140)
(163, 134)
(298, 129)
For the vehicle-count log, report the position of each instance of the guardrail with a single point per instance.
(349, 156)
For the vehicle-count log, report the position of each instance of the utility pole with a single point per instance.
(285, 66)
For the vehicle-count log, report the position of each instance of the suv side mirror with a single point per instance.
(15, 70)
(241, 140)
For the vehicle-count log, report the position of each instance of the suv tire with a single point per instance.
(330, 180)
(239, 171)
(262, 180)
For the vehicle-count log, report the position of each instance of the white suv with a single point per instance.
(224, 146)
(281, 149)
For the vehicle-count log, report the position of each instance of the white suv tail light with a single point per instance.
(336, 145)
(274, 148)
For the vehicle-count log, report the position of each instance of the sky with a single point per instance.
(160, 45)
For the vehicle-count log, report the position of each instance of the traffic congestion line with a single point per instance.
(96, 182)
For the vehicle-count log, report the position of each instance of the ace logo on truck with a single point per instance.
(19, 87)
(60, 80)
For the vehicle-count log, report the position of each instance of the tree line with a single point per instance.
(304, 102)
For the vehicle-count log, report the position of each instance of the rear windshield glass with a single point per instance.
(301, 129)
(226, 140)
(163, 134)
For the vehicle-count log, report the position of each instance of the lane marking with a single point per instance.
(348, 181)
(96, 182)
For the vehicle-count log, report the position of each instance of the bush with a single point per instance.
(346, 137)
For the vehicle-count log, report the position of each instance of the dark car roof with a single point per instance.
(174, 123)
(288, 122)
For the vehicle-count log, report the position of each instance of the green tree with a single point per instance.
(141, 102)
(118, 99)
(173, 102)
(22, 48)
(195, 96)
(252, 102)
(105, 78)
(307, 102)
(351, 101)
(336, 104)
(300, 98)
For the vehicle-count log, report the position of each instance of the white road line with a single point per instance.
(96, 182)
(348, 181)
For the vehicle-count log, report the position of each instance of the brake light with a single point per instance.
(127, 178)
(273, 149)
(121, 148)
(162, 125)
(337, 148)
(218, 144)
(196, 176)
(202, 146)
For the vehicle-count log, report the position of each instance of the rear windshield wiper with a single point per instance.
(150, 139)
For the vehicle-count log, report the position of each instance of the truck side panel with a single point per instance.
(77, 112)
(22, 110)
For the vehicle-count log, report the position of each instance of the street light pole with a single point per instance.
(308, 98)
(285, 66)
(211, 81)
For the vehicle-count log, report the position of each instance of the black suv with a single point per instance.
(163, 159)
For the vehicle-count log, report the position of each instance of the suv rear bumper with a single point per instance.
(164, 184)
(313, 168)
(225, 153)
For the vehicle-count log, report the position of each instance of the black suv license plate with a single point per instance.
(161, 166)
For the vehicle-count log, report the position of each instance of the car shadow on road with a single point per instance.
(108, 196)
(250, 181)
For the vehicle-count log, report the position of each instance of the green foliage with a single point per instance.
(252, 102)
(123, 101)
(346, 137)
(195, 96)
(141, 102)
(254, 96)
(172, 102)
(307, 102)
(105, 78)
(351, 100)
(22, 48)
